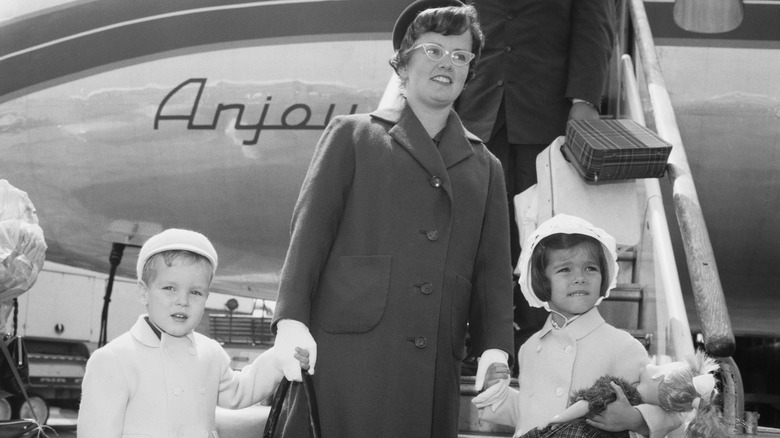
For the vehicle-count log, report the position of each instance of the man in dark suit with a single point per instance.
(544, 62)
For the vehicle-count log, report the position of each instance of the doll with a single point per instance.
(682, 386)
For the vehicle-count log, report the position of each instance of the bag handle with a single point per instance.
(278, 401)
(18, 378)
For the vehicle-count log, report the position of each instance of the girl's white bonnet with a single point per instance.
(566, 224)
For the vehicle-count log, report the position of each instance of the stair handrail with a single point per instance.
(707, 289)
(672, 321)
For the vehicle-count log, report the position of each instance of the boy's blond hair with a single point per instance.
(175, 240)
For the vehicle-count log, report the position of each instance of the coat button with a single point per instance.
(507, 49)
(421, 342)
(426, 288)
(432, 235)
(559, 392)
(567, 349)
(177, 391)
(193, 351)
(435, 182)
(500, 83)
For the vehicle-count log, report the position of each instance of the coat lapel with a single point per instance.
(454, 146)
(411, 135)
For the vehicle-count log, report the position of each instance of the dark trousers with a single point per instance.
(519, 163)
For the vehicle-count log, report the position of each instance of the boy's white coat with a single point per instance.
(142, 386)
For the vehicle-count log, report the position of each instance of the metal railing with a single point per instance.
(707, 290)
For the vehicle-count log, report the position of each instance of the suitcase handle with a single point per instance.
(563, 152)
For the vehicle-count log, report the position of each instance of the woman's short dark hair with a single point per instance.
(450, 20)
(540, 257)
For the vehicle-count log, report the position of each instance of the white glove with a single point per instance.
(496, 394)
(493, 396)
(488, 358)
(290, 334)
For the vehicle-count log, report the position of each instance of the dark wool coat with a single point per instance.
(396, 246)
(538, 54)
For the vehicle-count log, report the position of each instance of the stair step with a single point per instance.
(631, 292)
(623, 307)
(626, 254)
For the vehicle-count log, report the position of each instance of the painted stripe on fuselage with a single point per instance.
(92, 31)
(39, 50)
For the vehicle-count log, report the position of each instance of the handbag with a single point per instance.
(278, 401)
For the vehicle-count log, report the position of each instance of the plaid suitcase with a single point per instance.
(614, 149)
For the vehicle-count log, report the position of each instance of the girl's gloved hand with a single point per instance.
(492, 373)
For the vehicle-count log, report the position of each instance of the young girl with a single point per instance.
(568, 266)
(682, 386)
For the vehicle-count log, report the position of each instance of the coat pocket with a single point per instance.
(461, 305)
(353, 293)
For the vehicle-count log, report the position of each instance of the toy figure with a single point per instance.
(676, 386)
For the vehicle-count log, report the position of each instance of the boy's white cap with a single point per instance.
(176, 239)
(566, 224)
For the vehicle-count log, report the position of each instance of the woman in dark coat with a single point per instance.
(399, 242)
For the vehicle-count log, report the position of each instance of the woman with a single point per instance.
(399, 240)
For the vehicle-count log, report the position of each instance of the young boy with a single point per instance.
(161, 379)
(568, 266)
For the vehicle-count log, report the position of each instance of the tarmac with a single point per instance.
(241, 423)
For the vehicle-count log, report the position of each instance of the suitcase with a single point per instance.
(615, 149)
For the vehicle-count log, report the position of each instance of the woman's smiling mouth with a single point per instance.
(442, 79)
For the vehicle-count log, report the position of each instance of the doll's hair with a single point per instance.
(540, 257)
(676, 392)
(707, 422)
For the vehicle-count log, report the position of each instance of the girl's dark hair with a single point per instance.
(449, 20)
(540, 257)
